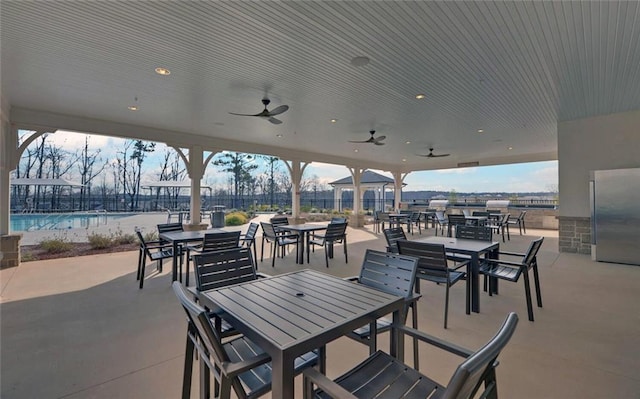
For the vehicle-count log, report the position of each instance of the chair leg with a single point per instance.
(255, 254)
(274, 252)
(326, 254)
(446, 305)
(524, 227)
(527, 289)
(414, 324)
(344, 243)
(262, 250)
(140, 255)
(536, 282)
(144, 262)
(188, 369)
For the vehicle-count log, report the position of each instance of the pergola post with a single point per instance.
(296, 169)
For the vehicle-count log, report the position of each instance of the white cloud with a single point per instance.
(457, 171)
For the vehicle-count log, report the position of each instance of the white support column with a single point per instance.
(8, 151)
(296, 169)
(196, 166)
(398, 179)
(376, 199)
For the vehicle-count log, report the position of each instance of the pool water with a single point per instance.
(61, 221)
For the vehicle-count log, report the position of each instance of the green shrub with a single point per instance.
(100, 241)
(25, 257)
(56, 245)
(305, 208)
(151, 236)
(235, 219)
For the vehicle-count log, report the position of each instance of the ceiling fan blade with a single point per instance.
(278, 110)
(380, 138)
(353, 141)
(275, 121)
(439, 155)
(378, 143)
(233, 113)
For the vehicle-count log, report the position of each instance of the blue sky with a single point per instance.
(526, 177)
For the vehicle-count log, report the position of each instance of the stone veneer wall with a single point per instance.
(10, 249)
(574, 234)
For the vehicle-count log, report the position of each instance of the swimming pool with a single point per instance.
(61, 221)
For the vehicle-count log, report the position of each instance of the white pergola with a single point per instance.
(369, 181)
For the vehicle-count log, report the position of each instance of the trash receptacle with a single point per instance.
(217, 216)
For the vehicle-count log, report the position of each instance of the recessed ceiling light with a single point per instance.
(163, 71)
(279, 136)
(404, 160)
(360, 61)
(334, 120)
(133, 107)
(407, 142)
(511, 148)
(480, 131)
(356, 150)
(420, 96)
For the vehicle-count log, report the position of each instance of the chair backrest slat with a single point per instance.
(392, 235)
(480, 213)
(455, 219)
(474, 233)
(337, 219)
(432, 258)
(220, 241)
(335, 231)
(470, 374)
(167, 227)
(279, 220)
(251, 231)
(530, 255)
(391, 273)
(222, 268)
(268, 230)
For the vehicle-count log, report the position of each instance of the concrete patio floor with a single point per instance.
(80, 327)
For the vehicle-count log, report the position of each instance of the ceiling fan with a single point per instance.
(432, 155)
(266, 114)
(373, 140)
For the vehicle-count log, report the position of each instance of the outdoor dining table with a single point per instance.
(304, 231)
(294, 313)
(181, 237)
(474, 249)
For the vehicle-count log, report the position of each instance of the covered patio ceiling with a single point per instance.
(511, 69)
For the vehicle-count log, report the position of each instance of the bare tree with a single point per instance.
(87, 172)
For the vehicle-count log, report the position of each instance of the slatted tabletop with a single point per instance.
(291, 314)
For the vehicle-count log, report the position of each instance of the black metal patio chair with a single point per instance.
(336, 233)
(433, 266)
(382, 375)
(154, 251)
(392, 235)
(394, 274)
(239, 364)
(213, 242)
(512, 270)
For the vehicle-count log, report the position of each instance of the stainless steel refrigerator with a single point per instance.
(615, 216)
